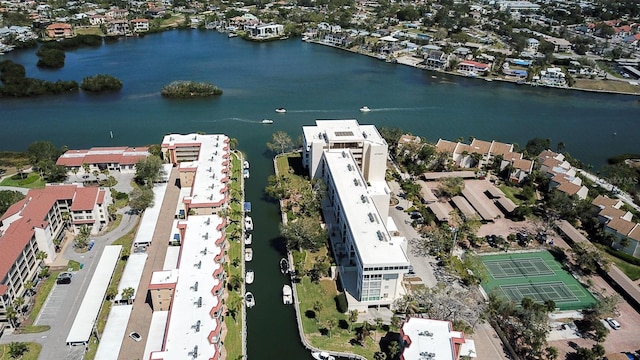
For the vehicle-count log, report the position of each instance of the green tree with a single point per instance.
(234, 282)
(353, 317)
(304, 233)
(127, 293)
(149, 170)
(141, 198)
(280, 142)
(537, 145)
(394, 349)
(82, 239)
(101, 82)
(233, 305)
(330, 324)
(379, 355)
(451, 186)
(12, 316)
(42, 152)
(17, 349)
(8, 198)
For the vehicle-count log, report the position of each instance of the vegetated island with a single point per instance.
(16, 84)
(100, 83)
(187, 89)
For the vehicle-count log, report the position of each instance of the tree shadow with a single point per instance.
(343, 324)
(310, 314)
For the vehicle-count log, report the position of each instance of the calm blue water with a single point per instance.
(312, 82)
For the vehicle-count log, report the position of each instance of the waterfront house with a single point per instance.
(473, 67)
(435, 60)
(36, 224)
(96, 20)
(140, 25)
(264, 31)
(337, 39)
(553, 76)
(624, 231)
(116, 14)
(562, 174)
(118, 27)
(59, 30)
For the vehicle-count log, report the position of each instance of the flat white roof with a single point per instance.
(191, 324)
(132, 274)
(92, 301)
(373, 242)
(147, 226)
(431, 336)
(164, 277)
(113, 333)
(336, 131)
(209, 183)
(156, 333)
(171, 258)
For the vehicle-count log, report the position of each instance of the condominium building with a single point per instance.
(121, 159)
(427, 339)
(203, 163)
(365, 142)
(371, 262)
(36, 224)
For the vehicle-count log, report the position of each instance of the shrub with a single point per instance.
(187, 89)
(341, 303)
(50, 58)
(101, 82)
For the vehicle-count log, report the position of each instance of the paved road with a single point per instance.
(625, 197)
(13, 188)
(420, 264)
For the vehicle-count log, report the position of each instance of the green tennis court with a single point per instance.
(536, 275)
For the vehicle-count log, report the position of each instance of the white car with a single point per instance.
(613, 323)
(135, 336)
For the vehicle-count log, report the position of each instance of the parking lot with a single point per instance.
(54, 305)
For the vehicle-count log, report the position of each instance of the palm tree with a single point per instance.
(394, 349)
(379, 355)
(86, 168)
(75, 170)
(379, 322)
(41, 256)
(127, 294)
(12, 316)
(28, 287)
(233, 305)
(18, 303)
(353, 317)
(235, 282)
(330, 324)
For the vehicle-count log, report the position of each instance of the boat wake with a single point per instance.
(141, 96)
(402, 109)
(312, 111)
(251, 121)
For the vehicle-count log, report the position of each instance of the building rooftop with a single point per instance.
(192, 328)
(368, 229)
(103, 155)
(432, 339)
(340, 131)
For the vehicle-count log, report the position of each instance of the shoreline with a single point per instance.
(488, 79)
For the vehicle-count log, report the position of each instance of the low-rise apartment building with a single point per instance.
(118, 159)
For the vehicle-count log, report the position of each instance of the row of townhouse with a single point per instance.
(480, 153)
(114, 27)
(117, 159)
(620, 223)
(187, 294)
(562, 175)
(35, 224)
(351, 160)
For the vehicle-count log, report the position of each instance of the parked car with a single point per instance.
(613, 323)
(64, 278)
(135, 336)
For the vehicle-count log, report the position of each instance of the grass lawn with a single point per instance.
(95, 30)
(233, 339)
(511, 193)
(632, 271)
(607, 85)
(31, 181)
(32, 353)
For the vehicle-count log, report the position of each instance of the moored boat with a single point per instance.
(287, 295)
(249, 276)
(248, 239)
(245, 173)
(322, 355)
(249, 299)
(284, 265)
(248, 254)
(248, 223)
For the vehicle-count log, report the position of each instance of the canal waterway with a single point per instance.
(311, 82)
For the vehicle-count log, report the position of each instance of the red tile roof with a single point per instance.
(84, 199)
(107, 155)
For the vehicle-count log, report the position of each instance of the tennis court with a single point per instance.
(536, 275)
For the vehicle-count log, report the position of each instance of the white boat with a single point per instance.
(267, 121)
(249, 299)
(245, 164)
(248, 239)
(365, 109)
(249, 276)
(248, 254)
(281, 110)
(287, 295)
(248, 223)
(245, 173)
(232, 34)
(284, 265)
(322, 355)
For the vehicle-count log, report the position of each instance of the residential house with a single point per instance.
(96, 20)
(116, 14)
(624, 231)
(118, 27)
(532, 45)
(559, 44)
(435, 60)
(562, 174)
(59, 30)
(140, 25)
(264, 31)
(473, 67)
